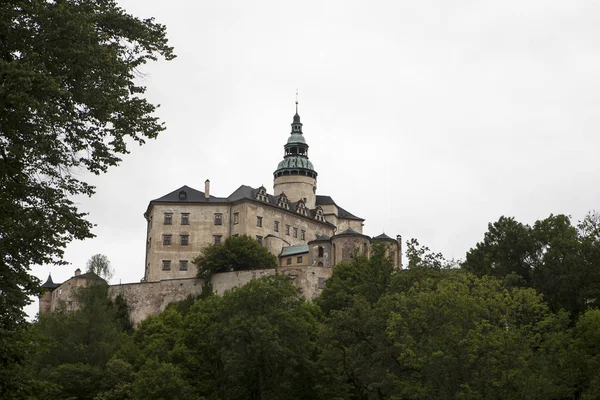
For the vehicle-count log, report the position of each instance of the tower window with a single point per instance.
(236, 218)
(218, 219)
(321, 251)
(276, 226)
(259, 222)
(168, 218)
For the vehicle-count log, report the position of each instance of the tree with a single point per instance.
(69, 103)
(99, 264)
(236, 253)
(556, 258)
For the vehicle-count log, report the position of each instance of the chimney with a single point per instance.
(77, 272)
(399, 240)
(207, 189)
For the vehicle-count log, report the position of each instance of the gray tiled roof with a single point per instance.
(342, 213)
(191, 196)
(49, 284)
(383, 236)
(245, 192)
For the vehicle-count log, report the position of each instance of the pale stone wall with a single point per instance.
(342, 223)
(64, 296)
(151, 298)
(293, 260)
(200, 230)
(314, 259)
(249, 211)
(344, 247)
(297, 187)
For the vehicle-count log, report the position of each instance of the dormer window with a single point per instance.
(283, 202)
(301, 208)
(261, 195)
(319, 216)
(183, 195)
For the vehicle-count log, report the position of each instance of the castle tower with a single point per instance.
(295, 175)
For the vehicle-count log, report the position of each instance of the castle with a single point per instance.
(309, 233)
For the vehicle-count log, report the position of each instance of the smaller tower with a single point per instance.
(46, 296)
(295, 175)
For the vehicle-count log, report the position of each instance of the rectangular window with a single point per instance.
(167, 240)
(168, 218)
(259, 239)
(321, 251)
(183, 265)
(217, 239)
(218, 219)
(302, 235)
(185, 218)
(295, 232)
(321, 283)
(289, 261)
(299, 260)
(236, 218)
(184, 240)
(259, 222)
(166, 265)
(276, 226)
(287, 230)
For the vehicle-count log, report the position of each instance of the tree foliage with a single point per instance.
(236, 253)
(69, 103)
(99, 264)
(559, 260)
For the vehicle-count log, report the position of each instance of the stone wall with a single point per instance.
(150, 298)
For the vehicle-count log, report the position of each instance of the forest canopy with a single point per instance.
(437, 330)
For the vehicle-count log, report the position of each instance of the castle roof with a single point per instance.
(350, 232)
(293, 250)
(342, 213)
(49, 284)
(383, 236)
(186, 194)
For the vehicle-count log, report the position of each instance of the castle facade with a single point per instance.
(308, 232)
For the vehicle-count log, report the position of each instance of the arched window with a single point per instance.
(321, 251)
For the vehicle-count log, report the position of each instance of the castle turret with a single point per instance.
(46, 296)
(295, 175)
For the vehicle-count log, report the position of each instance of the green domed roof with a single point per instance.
(296, 138)
(295, 162)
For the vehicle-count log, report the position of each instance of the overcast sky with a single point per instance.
(429, 119)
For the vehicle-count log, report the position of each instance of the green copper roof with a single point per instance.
(296, 138)
(295, 160)
(292, 250)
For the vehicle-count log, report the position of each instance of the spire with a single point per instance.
(296, 125)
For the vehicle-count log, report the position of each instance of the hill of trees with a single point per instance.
(516, 320)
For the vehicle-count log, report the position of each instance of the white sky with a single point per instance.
(429, 119)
